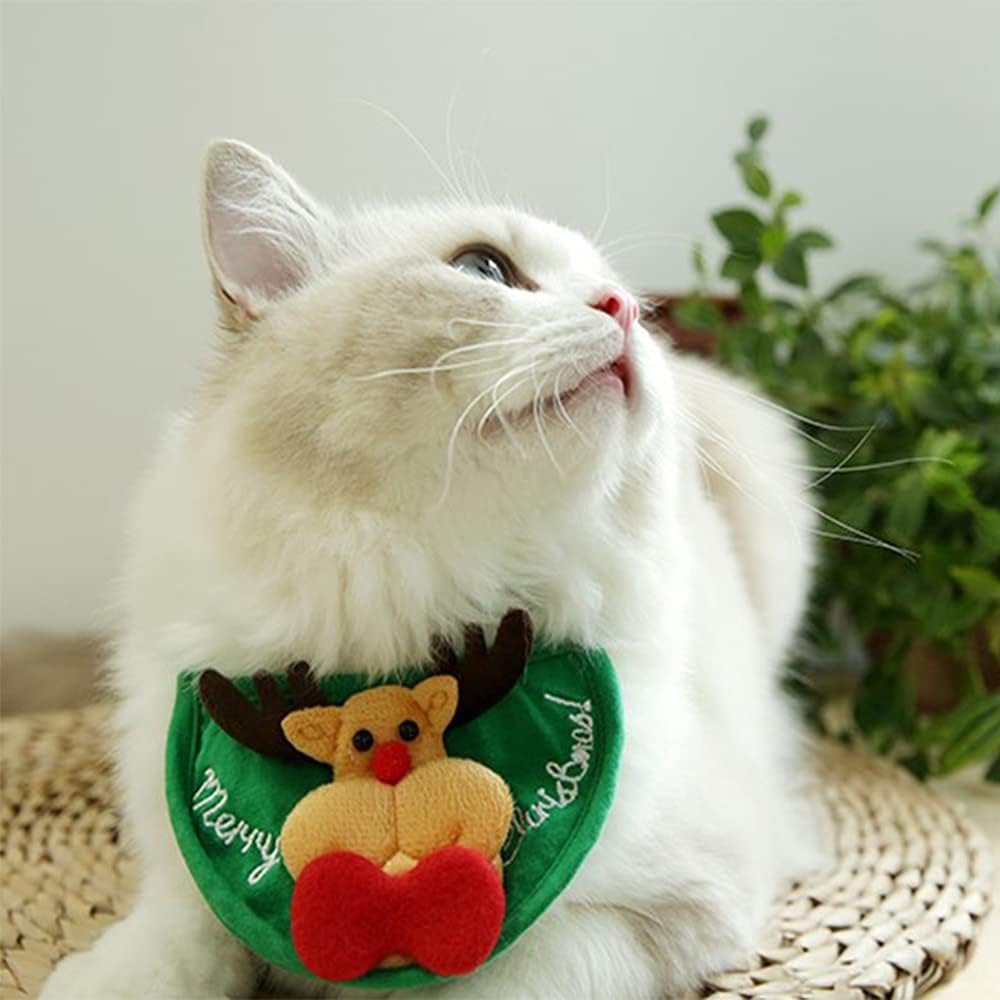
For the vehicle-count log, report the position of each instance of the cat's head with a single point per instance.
(418, 360)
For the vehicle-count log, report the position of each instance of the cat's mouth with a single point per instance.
(619, 370)
(619, 373)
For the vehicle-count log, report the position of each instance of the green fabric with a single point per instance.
(556, 738)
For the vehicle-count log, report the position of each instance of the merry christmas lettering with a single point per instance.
(566, 777)
(210, 798)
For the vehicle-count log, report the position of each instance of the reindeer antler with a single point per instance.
(259, 726)
(485, 675)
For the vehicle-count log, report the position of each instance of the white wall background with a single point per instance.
(887, 115)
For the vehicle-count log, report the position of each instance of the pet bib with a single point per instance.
(554, 739)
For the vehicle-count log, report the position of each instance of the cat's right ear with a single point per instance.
(263, 233)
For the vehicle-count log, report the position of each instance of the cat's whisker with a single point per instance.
(596, 238)
(707, 459)
(862, 441)
(535, 410)
(450, 186)
(447, 137)
(425, 370)
(563, 413)
(771, 404)
(874, 466)
(642, 234)
(483, 345)
(450, 450)
(841, 468)
(494, 409)
(470, 321)
(456, 430)
(863, 536)
(854, 534)
(520, 370)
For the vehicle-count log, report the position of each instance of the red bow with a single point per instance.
(444, 914)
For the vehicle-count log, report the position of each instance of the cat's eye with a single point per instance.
(363, 740)
(484, 262)
(408, 730)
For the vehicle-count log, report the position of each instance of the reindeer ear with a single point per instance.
(313, 731)
(438, 697)
(262, 231)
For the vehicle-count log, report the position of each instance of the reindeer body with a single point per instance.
(440, 803)
(396, 796)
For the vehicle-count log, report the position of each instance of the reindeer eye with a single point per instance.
(408, 730)
(363, 740)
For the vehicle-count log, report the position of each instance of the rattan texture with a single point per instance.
(899, 912)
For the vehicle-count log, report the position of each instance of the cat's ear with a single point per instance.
(263, 233)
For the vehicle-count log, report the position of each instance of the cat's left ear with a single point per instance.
(263, 232)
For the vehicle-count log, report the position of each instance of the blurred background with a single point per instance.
(619, 117)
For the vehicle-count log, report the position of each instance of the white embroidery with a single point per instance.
(227, 827)
(566, 777)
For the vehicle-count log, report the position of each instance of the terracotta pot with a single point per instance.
(686, 338)
(938, 677)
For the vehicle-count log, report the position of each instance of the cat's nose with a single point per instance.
(620, 306)
(391, 762)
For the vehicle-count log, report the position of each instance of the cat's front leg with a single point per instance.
(170, 945)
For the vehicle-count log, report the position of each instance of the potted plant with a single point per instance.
(898, 394)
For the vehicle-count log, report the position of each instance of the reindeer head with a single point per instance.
(383, 732)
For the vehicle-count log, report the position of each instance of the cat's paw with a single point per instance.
(135, 960)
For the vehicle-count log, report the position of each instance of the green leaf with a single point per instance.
(697, 313)
(986, 204)
(944, 728)
(740, 267)
(935, 247)
(950, 488)
(907, 510)
(813, 239)
(917, 764)
(740, 228)
(856, 284)
(977, 582)
(973, 741)
(993, 772)
(698, 260)
(987, 532)
(790, 266)
(756, 128)
(790, 199)
(772, 241)
(756, 179)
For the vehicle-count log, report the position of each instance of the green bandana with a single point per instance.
(556, 739)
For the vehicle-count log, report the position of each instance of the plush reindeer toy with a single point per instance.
(402, 846)
(397, 860)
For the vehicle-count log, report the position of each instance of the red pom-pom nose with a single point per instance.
(391, 762)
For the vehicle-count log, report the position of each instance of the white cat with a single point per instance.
(421, 417)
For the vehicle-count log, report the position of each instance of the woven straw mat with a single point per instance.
(899, 912)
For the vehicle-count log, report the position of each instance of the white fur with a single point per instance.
(318, 504)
